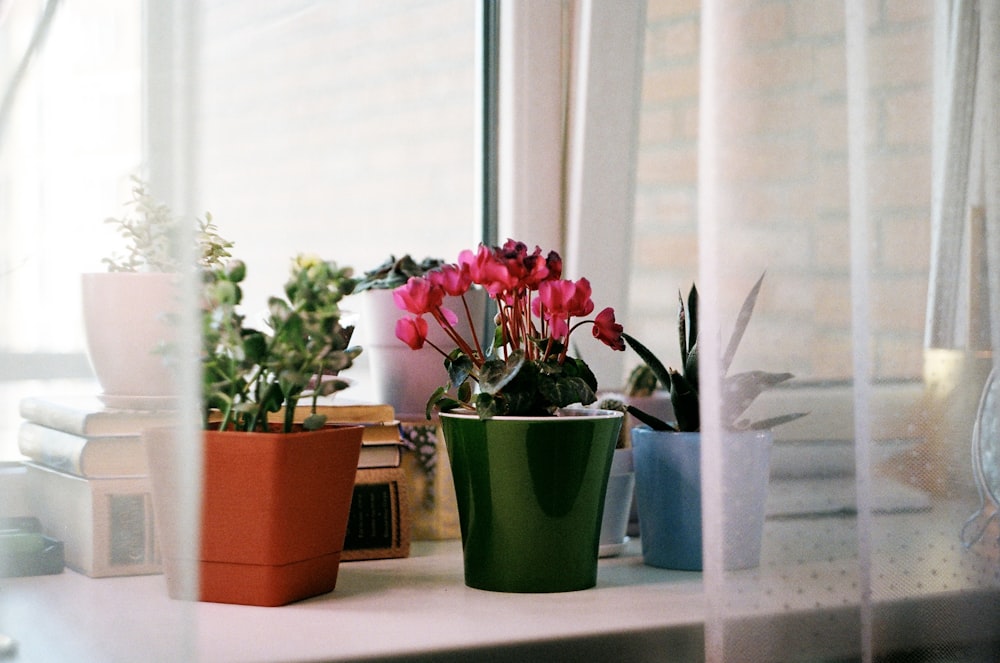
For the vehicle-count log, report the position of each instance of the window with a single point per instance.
(357, 142)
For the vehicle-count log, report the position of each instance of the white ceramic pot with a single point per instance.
(127, 325)
(617, 504)
(402, 377)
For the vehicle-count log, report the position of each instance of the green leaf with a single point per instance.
(255, 346)
(685, 402)
(486, 406)
(641, 381)
(692, 319)
(740, 391)
(314, 421)
(564, 391)
(495, 374)
(647, 356)
(682, 336)
(438, 399)
(691, 367)
(742, 320)
(328, 387)
(459, 367)
(653, 422)
(768, 424)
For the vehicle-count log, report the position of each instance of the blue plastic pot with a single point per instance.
(668, 497)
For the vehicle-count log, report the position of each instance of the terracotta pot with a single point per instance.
(126, 320)
(273, 514)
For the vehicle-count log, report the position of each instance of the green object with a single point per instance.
(21, 543)
(530, 494)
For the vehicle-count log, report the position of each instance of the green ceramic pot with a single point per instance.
(530, 494)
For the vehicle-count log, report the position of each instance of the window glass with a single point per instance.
(341, 129)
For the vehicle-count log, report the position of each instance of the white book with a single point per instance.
(88, 416)
(106, 525)
(86, 456)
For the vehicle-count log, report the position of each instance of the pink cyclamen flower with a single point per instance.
(607, 330)
(412, 331)
(418, 296)
(454, 280)
(563, 298)
(488, 270)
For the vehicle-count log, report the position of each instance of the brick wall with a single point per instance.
(345, 129)
(784, 168)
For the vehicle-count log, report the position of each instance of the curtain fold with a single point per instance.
(990, 75)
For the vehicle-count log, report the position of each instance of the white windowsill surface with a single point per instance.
(419, 608)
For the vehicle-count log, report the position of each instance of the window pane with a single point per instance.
(343, 129)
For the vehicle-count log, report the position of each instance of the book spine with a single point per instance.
(91, 457)
(378, 526)
(58, 450)
(63, 419)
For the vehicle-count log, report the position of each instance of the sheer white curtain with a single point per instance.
(815, 153)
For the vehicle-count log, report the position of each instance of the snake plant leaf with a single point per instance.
(685, 401)
(692, 325)
(691, 367)
(653, 422)
(650, 359)
(742, 320)
(740, 391)
(769, 423)
(682, 327)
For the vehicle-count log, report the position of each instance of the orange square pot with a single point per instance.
(273, 514)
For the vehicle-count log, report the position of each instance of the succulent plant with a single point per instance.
(739, 390)
(393, 273)
(152, 235)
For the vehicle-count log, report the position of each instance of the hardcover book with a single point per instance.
(102, 456)
(381, 441)
(87, 416)
(106, 525)
(378, 526)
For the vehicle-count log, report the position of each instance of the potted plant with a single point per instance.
(619, 498)
(276, 493)
(400, 377)
(667, 454)
(126, 310)
(530, 471)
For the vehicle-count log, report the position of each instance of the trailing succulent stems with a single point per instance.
(153, 234)
(739, 390)
(526, 369)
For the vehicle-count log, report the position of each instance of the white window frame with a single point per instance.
(570, 86)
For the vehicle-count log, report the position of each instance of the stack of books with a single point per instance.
(380, 520)
(88, 484)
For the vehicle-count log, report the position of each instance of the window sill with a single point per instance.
(405, 609)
